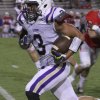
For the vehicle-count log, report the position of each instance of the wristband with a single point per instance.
(75, 44)
(31, 48)
(38, 65)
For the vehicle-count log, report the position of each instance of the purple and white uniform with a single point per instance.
(52, 77)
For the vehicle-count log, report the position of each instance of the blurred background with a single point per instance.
(8, 14)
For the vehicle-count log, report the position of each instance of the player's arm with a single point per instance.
(74, 46)
(24, 39)
(34, 55)
(93, 30)
(71, 31)
(96, 28)
(72, 61)
(25, 43)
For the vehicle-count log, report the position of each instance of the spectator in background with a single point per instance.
(83, 23)
(71, 19)
(77, 20)
(1, 23)
(6, 24)
(12, 27)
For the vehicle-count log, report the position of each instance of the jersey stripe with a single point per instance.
(46, 78)
(49, 17)
(50, 79)
(41, 77)
(52, 15)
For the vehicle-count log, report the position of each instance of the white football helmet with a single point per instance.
(45, 5)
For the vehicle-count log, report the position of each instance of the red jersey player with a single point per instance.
(93, 25)
(88, 53)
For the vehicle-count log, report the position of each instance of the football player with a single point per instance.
(89, 49)
(50, 75)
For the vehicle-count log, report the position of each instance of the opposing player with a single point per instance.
(89, 49)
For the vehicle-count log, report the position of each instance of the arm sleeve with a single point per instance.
(75, 44)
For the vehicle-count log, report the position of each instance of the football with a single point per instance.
(62, 44)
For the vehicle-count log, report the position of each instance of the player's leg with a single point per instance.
(85, 59)
(64, 91)
(46, 79)
(84, 74)
(32, 96)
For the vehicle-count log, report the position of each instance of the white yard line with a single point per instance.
(5, 94)
(15, 66)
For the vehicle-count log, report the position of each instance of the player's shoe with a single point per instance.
(80, 90)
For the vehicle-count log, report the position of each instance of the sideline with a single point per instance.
(5, 94)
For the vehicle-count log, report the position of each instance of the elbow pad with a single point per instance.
(96, 29)
(75, 44)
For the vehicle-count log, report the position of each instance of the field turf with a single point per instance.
(16, 69)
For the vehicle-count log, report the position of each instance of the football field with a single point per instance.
(16, 69)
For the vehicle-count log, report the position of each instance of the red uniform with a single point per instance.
(6, 20)
(93, 18)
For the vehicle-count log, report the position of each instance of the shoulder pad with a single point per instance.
(52, 13)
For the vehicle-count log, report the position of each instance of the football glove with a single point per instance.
(58, 57)
(25, 41)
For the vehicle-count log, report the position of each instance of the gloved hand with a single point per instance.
(58, 57)
(25, 41)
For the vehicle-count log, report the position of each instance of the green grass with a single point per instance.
(15, 79)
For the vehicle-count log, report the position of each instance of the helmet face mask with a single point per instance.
(32, 10)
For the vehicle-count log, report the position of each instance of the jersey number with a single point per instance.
(41, 48)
